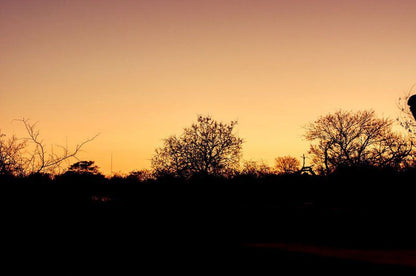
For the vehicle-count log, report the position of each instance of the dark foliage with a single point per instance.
(83, 167)
(91, 223)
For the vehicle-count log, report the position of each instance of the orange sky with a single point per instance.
(139, 71)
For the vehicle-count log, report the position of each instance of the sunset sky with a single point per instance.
(139, 71)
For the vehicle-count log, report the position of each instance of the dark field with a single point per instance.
(125, 229)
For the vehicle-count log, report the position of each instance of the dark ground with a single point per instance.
(85, 229)
(106, 241)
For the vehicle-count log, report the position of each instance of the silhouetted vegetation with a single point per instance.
(255, 169)
(29, 155)
(286, 165)
(207, 147)
(199, 200)
(83, 167)
(356, 139)
(11, 161)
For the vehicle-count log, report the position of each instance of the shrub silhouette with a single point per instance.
(286, 165)
(255, 169)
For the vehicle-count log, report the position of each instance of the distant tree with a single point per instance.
(255, 168)
(207, 147)
(286, 165)
(11, 159)
(84, 167)
(141, 175)
(345, 139)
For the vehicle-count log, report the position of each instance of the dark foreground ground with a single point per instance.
(102, 230)
(111, 246)
(107, 241)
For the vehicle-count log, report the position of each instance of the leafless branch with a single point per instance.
(38, 159)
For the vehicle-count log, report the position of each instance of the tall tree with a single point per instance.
(207, 147)
(355, 139)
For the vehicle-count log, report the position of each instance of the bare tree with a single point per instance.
(39, 160)
(286, 165)
(355, 139)
(28, 155)
(207, 147)
(11, 160)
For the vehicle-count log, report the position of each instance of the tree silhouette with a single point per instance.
(38, 159)
(140, 175)
(286, 165)
(355, 139)
(29, 155)
(255, 168)
(207, 147)
(11, 160)
(83, 167)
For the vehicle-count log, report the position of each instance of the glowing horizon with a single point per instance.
(139, 71)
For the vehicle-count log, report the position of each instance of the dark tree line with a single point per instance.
(338, 140)
(209, 147)
(198, 192)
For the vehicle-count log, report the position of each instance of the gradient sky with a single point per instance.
(139, 71)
